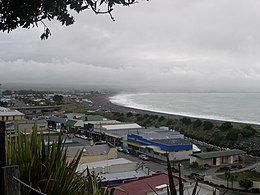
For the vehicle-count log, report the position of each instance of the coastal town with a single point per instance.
(124, 154)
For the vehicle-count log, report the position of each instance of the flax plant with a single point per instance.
(173, 190)
(44, 166)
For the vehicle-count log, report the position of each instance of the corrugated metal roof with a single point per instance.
(70, 123)
(58, 120)
(9, 112)
(122, 126)
(140, 187)
(122, 175)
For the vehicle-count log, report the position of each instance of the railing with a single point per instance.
(12, 181)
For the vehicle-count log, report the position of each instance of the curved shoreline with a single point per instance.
(105, 103)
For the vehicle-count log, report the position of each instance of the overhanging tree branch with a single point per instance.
(28, 13)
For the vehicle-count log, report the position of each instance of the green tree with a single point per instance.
(3, 104)
(7, 92)
(227, 176)
(58, 99)
(232, 178)
(29, 13)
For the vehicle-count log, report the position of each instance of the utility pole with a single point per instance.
(2, 155)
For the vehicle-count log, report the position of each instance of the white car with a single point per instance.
(143, 157)
(120, 149)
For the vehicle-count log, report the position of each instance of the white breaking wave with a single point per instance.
(237, 107)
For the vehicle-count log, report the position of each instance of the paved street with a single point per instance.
(153, 166)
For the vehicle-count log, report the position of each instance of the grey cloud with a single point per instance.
(191, 45)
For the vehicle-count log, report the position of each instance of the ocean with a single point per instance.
(237, 107)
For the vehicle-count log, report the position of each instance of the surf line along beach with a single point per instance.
(104, 106)
(103, 103)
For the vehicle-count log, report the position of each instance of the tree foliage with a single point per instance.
(207, 125)
(58, 99)
(186, 121)
(197, 123)
(226, 126)
(28, 13)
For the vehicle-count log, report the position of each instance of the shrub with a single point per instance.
(226, 126)
(207, 125)
(45, 167)
(248, 131)
(194, 164)
(223, 169)
(161, 118)
(197, 123)
(129, 114)
(232, 134)
(255, 190)
(186, 121)
(246, 183)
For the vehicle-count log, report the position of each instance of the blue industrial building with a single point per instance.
(176, 148)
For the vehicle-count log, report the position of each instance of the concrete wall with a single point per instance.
(11, 118)
(28, 127)
(202, 162)
(219, 161)
(180, 155)
(202, 189)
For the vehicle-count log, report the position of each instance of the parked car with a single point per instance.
(126, 151)
(143, 157)
(120, 149)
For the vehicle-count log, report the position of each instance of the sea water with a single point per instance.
(239, 107)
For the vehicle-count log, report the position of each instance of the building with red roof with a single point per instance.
(144, 185)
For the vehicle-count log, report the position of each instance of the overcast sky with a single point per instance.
(166, 45)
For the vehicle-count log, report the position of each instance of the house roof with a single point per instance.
(70, 123)
(58, 119)
(140, 186)
(94, 150)
(103, 163)
(9, 112)
(122, 126)
(122, 175)
(161, 134)
(221, 153)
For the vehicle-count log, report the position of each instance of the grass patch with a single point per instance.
(240, 176)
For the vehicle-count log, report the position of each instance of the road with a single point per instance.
(153, 166)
